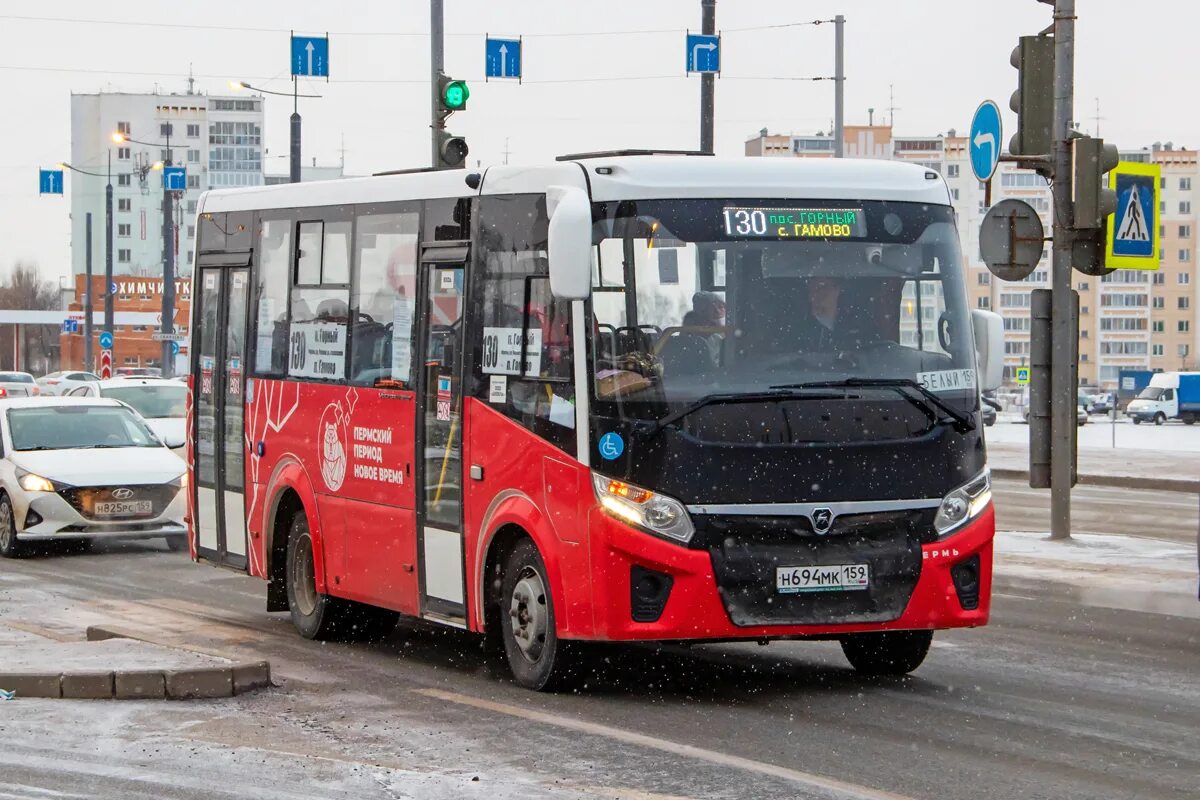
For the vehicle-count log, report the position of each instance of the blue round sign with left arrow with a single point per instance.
(984, 142)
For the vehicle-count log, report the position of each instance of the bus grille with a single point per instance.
(746, 550)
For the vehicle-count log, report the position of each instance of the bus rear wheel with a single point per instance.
(320, 616)
(538, 659)
(887, 652)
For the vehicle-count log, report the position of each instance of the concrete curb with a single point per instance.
(1120, 481)
(202, 683)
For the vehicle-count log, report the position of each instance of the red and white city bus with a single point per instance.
(618, 397)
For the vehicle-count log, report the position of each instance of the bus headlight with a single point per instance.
(963, 504)
(653, 512)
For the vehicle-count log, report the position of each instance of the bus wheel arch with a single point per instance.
(287, 504)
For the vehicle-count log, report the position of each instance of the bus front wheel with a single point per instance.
(887, 652)
(538, 659)
(320, 616)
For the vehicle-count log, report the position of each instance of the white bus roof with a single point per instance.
(618, 177)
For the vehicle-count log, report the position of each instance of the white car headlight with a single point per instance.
(653, 512)
(963, 504)
(35, 483)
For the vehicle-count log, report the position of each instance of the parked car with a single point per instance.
(1081, 416)
(63, 381)
(137, 372)
(18, 384)
(1102, 403)
(987, 409)
(162, 402)
(85, 468)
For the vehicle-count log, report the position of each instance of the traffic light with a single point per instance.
(452, 150)
(1034, 98)
(452, 95)
(1091, 159)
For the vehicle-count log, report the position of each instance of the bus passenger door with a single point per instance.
(218, 408)
(439, 424)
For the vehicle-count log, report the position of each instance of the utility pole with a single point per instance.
(294, 166)
(1064, 325)
(108, 255)
(436, 58)
(708, 26)
(839, 85)
(87, 296)
(168, 234)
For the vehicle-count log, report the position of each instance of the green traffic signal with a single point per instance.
(454, 95)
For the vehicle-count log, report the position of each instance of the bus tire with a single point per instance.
(10, 547)
(887, 652)
(1160, 418)
(537, 658)
(315, 615)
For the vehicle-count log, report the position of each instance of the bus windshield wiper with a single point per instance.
(775, 393)
(912, 391)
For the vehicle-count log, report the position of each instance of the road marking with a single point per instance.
(841, 788)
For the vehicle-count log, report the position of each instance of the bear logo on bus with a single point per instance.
(333, 446)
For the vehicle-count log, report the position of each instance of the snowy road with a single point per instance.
(1054, 699)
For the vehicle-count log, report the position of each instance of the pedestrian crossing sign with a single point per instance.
(1132, 240)
(1022, 375)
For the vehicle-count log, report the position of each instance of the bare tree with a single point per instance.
(26, 290)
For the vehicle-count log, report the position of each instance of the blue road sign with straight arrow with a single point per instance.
(50, 181)
(703, 53)
(503, 58)
(106, 340)
(310, 56)
(984, 141)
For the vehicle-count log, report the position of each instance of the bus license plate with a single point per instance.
(123, 508)
(823, 578)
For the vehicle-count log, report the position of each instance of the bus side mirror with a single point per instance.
(989, 342)
(570, 242)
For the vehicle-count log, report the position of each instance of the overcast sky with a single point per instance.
(941, 57)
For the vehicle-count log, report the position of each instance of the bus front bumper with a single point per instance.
(674, 589)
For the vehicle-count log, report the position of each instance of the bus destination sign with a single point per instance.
(795, 223)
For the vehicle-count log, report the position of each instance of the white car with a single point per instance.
(64, 381)
(85, 468)
(18, 384)
(162, 402)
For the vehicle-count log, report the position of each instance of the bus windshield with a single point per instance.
(694, 298)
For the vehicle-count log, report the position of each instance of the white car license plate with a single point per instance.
(823, 578)
(123, 508)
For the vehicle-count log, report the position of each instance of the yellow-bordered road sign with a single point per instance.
(1022, 375)
(1132, 240)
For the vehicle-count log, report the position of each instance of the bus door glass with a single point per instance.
(439, 418)
(220, 385)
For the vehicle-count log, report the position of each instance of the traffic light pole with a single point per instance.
(436, 58)
(839, 85)
(168, 291)
(108, 253)
(708, 26)
(1064, 326)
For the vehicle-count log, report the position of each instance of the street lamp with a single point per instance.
(168, 234)
(295, 139)
(108, 254)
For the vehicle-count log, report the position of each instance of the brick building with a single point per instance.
(132, 343)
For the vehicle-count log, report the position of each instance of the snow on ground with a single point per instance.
(1098, 433)
(1106, 569)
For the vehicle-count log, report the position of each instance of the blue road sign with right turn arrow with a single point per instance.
(703, 53)
(984, 141)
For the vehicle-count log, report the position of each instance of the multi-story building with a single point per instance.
(217, 139)
(1127, 320)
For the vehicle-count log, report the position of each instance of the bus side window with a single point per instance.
(515, 304)
(270, 311)
(383, 299)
